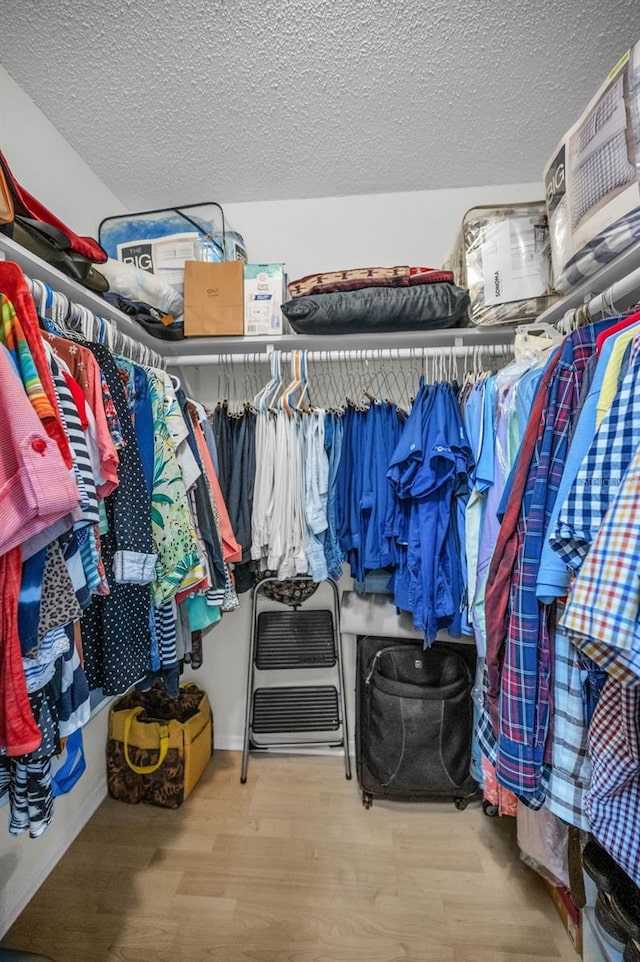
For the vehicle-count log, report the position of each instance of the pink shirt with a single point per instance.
(36, 488)
(84, 368)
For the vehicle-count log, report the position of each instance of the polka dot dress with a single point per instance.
(115, 629)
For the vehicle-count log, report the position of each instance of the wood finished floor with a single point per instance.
(291, 868)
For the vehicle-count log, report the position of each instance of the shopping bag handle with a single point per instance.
(164, 744)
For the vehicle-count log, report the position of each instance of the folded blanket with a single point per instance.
(378, 309)
(359, 277)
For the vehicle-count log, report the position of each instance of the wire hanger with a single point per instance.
(289, 397)
(264, 399)
(302, 404)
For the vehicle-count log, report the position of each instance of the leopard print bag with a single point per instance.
(158, 746)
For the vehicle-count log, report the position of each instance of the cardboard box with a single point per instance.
(213, 299)
(570, 915)
(264, 293)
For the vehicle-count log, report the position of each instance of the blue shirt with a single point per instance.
(485, 464)
(527, 389)
(473, 410)
(524, 706)
(428, 474)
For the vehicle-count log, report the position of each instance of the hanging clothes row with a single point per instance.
(359, 479)
(116, 543)
(557, 612)
(129, 531)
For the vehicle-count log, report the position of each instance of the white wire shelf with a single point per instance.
(202, 350)
(193, 350)
(38, 270)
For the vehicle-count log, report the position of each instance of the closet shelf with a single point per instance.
(38, 270)
(614, 272)
(192, 350)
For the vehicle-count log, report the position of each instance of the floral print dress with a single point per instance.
(173, 530)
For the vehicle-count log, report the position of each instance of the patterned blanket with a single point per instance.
(361, 277)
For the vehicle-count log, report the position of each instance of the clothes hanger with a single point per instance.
(288, 397)
(536, 339)
(260, 401)
(302, 406)
(276, 389)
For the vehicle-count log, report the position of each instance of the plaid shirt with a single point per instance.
(571, 766)
(602, 470)
(605, 600)
(523, 755)
(612, 802)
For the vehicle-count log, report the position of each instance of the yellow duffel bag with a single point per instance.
(158, 746)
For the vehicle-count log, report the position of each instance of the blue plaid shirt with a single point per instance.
(523, 750)
(571, 766)
(602, 470)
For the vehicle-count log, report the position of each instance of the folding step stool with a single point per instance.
(287, 716)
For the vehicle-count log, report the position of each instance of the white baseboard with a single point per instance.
(233, 743)
(16, 900)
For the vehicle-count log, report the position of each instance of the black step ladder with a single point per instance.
(302, 714)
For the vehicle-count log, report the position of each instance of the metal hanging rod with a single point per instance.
(364, 354)
(37, 269)
(619, 280)
(79, 318)
(621, 295)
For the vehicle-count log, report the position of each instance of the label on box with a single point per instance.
(513, 261)
(259, 307)
(163, 256)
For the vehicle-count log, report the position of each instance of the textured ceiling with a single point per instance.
(240, 100)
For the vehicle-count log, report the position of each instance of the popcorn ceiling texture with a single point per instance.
(236, 100)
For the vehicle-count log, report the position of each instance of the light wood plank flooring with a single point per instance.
(291, 868)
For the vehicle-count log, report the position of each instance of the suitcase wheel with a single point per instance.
(461, 803)
(367, 799)
(489, 809)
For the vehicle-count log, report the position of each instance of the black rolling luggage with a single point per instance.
(414, 717)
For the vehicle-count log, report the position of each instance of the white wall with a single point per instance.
(332, 233)
(47, 165)
(51, 170)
